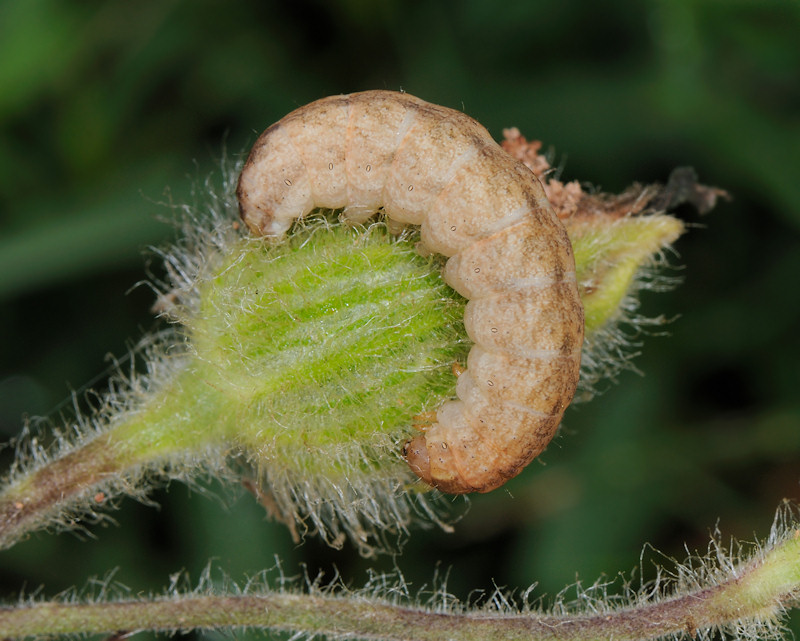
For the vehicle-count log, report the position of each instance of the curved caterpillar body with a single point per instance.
(508, 253)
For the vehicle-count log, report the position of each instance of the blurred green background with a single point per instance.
(110, 109)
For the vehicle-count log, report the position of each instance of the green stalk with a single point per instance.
(79, 479)
(750, 596)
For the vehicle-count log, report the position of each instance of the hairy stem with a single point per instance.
(82, 478)
(756, 591)
(23, 504)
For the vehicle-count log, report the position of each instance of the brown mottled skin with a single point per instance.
(422, 164)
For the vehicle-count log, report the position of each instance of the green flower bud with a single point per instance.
(616, 257)
(312, 357)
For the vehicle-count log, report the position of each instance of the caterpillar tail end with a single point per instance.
(416, 454)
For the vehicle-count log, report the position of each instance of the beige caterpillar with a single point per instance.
(508, 253)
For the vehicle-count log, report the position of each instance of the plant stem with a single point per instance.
(82, 478)
(756, 591)
(24, 504)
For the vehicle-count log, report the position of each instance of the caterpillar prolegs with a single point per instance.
(508, 253)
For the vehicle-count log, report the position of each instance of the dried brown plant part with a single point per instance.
(508, 253)
(572, 200)
(682, 187)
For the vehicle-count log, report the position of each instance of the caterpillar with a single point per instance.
(507, 253)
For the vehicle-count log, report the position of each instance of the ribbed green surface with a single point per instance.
(316, 347)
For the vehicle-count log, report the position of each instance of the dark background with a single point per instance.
(109, 109)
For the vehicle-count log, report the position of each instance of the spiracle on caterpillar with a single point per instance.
(507, 253)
